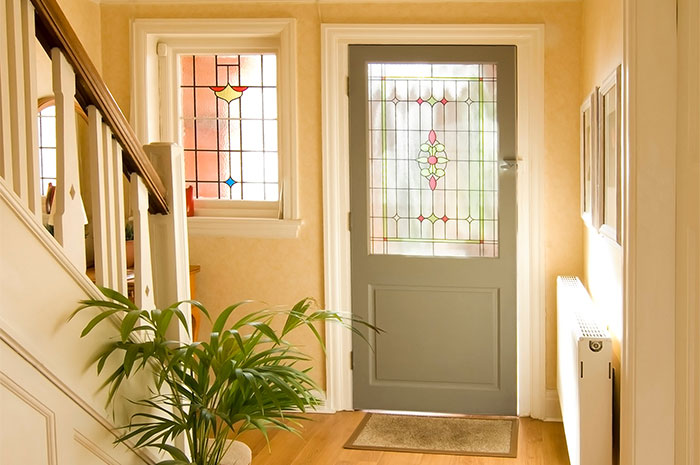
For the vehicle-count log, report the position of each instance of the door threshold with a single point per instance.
(432, 414)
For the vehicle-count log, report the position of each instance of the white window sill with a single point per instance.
(265, 228)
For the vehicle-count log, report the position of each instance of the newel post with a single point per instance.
(169, 242)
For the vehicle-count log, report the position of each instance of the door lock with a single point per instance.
(509, 164)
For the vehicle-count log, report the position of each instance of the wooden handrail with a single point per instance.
(54, 30)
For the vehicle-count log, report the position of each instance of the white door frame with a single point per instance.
(529, 39)
(649, 364)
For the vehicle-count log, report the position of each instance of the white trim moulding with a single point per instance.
(552, 408)
(261, 228)
(529, 40)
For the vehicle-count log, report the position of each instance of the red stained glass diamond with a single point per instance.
(443, 101)
(444, 218)
(421, 218)
(420, 100)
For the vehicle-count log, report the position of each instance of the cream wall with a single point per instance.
(84, 17)
(601, 54)
(282, 271)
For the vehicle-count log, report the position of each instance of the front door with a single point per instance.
(433, 224)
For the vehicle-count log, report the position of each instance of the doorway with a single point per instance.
(432, 136)
(533, 398)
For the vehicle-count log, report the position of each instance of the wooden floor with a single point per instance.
(323, 438)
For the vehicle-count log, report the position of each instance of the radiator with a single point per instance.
(584, 376)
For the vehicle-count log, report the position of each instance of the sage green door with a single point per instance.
(433, 227)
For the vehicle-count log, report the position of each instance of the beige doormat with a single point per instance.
(463, 435)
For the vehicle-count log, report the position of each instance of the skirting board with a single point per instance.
(321, 408)
(552, 409)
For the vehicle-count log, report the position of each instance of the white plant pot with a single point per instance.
(238, 454)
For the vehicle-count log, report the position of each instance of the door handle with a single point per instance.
(509, 164)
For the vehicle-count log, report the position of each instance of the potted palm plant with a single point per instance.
(245, 376)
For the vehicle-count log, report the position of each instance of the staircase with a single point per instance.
(52, 410)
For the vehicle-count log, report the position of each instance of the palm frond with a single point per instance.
(245, 376)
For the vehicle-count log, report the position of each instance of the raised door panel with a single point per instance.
(443, 336)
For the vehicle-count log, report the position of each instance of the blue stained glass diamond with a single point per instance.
(230, 182)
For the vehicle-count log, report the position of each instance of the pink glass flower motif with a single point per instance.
(432, 160)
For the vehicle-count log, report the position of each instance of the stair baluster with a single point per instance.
(143, 271)
(69, 220)
(110, 199)
(99, 196)
(30, 100)
(119, 243)
(5, 122)
(17, 80)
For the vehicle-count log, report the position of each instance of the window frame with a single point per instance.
(156, 45)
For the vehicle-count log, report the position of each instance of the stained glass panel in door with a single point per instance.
(433, 151)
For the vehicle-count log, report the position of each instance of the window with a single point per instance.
(225, 90)
(46, 125)
(46, 134)
(229, 125)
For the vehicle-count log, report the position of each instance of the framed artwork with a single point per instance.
(610, 146)
(589, 157)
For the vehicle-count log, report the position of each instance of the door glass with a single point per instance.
(433, 149)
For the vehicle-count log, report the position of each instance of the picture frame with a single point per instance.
(610, 157)
(588, 131)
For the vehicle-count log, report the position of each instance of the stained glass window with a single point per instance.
(229, 125)
(433, 159)
(47, 146)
